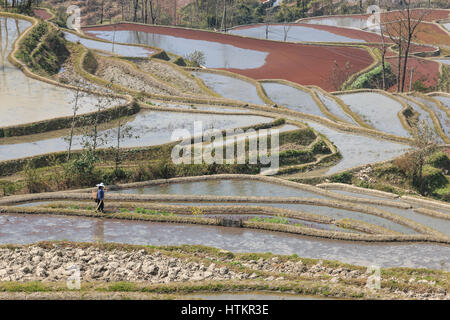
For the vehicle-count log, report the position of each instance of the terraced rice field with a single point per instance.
(37, 100)
(119, 49)
(231, 88)
(358, 150)
(149, 128)
(257, 59)
(37, 228)
(246, 82)
(292, 33)
(380, 111)
(292, 98)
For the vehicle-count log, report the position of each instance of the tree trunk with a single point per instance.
(224, 17)
(174, 12)
(405, 63)
(136, 5)
(72, 127)
(383, 57)
(118, 146)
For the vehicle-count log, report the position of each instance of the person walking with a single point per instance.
(100, 197)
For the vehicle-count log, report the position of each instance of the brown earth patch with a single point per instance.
(300, 63)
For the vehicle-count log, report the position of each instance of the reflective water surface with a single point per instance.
(28, 229)
(217, 55)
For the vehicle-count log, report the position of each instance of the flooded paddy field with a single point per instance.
(262, 189)
(218, 55)
(358, 22)
(440, 114)
(423, 114)
(28, 229)
(334, 107)
(148, 128)
(292, 33)
(447, 26)
(230, 187)
(445, 100)
(378, 110)
(113, 48)
(230, 87)
(36, 100)
(357, 149)
(330, 212)
(292, 98)
(254, 58)
(444, 61)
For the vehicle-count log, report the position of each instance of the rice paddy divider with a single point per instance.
(305, 231)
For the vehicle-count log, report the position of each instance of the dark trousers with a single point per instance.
(100, 206)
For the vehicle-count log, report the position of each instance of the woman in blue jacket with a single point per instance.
(100, 197)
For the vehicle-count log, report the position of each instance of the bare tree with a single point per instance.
(402, 27)
(75, 106)
(268, 19)
(123, 131)
(174, 12)
(286, 28)
(102, 9)
(424, 143)
(224, 17)
(135, 9)
(153, 13)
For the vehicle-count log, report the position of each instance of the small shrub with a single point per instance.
(344, 177)
(90, 63)
(34, 181)
(443, 193)
(195, 59)
(405, 164)
(81, 171)
(439, 160)
(321, 148)
(374, 78)
(432, 179)
(195, 211)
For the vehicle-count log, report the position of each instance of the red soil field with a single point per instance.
(434, 14)
(300, 63)
(427, 33)
(424, 70)
(432, 34)
(42, 14)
